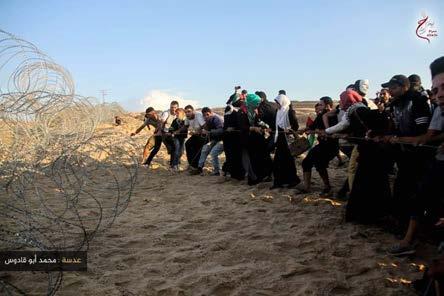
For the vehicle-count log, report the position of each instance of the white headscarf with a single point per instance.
(282, 119)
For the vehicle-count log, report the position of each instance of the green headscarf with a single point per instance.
(252, 102)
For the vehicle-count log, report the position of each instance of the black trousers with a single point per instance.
(168, 141)
(412, 166)
(154, 150)
(193, 147)
(430, 197)
(319, 157)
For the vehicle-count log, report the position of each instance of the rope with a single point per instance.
(345, 137)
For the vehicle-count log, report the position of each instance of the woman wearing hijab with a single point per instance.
(284, 168)
(255, 157)
(349, 101)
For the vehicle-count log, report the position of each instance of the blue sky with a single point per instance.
(146, 52)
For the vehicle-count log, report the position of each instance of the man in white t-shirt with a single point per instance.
(194, 121)
(193, 146)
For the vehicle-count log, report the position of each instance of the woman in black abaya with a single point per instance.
(284, 167)
(256, 157)
(370, 195)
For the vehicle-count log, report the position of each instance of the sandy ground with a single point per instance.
(203, 235)
(193, 235)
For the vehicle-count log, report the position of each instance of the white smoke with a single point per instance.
(160, 100)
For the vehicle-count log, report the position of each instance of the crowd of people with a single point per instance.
(398, 133)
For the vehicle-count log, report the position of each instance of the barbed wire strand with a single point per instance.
(62, 181)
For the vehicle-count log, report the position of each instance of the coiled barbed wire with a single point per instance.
(63, 179)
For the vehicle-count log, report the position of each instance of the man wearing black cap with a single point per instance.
(410, 110)
(427, 199)
(411, 116)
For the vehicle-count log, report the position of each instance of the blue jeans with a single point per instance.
(178, 151)
(214, 149)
